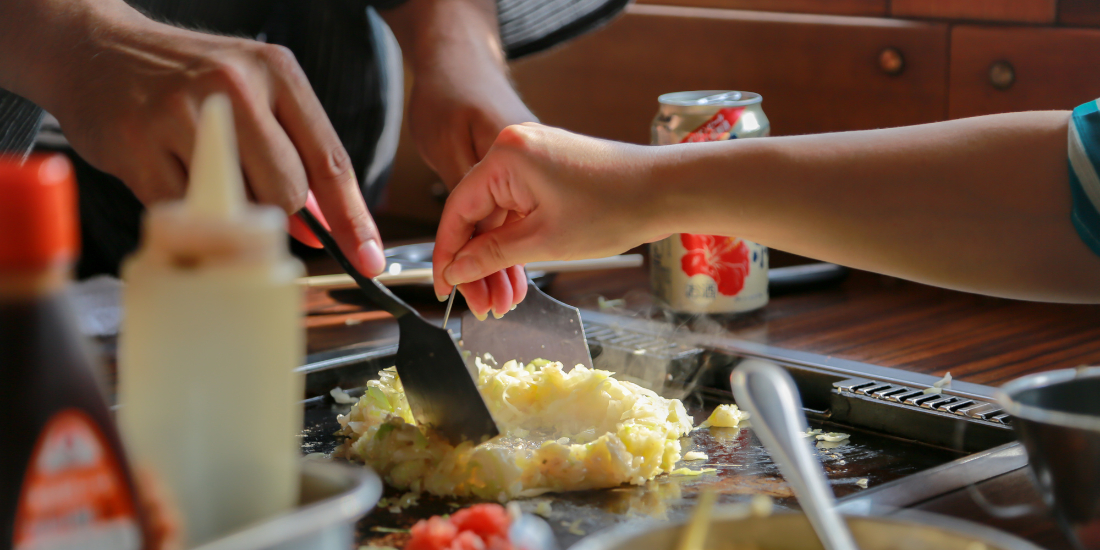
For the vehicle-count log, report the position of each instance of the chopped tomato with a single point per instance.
(499, 543)
(479, 527)
(487, 520)
(467, 540)
(435, 533)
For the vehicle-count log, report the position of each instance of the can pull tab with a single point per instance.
(716, 98)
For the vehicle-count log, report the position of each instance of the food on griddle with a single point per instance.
(560, 431)
(724, 416)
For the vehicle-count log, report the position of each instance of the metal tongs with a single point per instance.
(441, 391)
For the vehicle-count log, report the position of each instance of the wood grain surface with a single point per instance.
(817, 73)
(832, 7)
(1079, 13)
(1023, 11)
(1055, 68)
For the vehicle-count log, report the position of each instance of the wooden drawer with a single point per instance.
(831, 7)
(816, 73)
(1051, 68)
(1025, 11)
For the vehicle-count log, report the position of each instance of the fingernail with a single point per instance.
(371, 257)
(442, 297)
(497, 315)
(513, 307)
(461, 270)
(480, 316)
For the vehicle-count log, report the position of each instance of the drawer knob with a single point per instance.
(891, 61)
(1002, 75)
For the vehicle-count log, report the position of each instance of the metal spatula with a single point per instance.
(441, 391)
(539, 328)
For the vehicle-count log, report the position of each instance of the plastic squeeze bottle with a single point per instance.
(210, 338)
(64, 481)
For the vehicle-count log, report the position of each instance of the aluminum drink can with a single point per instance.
(709, 274)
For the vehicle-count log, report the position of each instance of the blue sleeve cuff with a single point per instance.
(1084, 165)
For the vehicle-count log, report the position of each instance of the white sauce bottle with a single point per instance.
(209, 342)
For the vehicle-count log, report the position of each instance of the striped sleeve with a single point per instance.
(1084, 162)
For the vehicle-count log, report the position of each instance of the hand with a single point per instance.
(461, 99)
(129, 99)
(455, 115)
(456, 109)
(563, 196)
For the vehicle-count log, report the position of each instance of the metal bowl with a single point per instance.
(791, 531)
(333, 498)
(1056, 415)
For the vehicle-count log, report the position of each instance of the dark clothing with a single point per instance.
(352, 61)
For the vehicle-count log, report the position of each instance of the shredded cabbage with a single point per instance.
(560, 431)
(725, 416)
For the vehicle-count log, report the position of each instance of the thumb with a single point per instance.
(493, 251)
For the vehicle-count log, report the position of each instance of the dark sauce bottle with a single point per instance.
(64, 480)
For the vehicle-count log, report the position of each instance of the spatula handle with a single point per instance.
(375, 292)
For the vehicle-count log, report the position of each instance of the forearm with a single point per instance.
(980, 204)
(40, 40)
(430, 29)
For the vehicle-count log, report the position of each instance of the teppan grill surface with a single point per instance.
(906, 445)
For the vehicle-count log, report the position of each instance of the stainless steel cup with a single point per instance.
(1057, 417)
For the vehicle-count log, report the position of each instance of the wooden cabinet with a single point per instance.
(1004, 69)
(816, 73)
(1023, 11)
(831, 7)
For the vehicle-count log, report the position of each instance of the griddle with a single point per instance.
(909, 446)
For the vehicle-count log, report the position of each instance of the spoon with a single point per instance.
(768, 393)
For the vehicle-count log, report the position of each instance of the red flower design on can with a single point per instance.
(724, 259)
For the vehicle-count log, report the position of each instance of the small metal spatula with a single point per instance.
(539, 328)
(441, 392)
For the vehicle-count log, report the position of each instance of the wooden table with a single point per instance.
(868, 318)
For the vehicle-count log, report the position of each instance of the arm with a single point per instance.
(980, 204)
(126, 90)
(461, 99)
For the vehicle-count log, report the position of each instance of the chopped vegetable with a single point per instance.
(560, 431)
(575, 528)
(688, 472)
(341, 396)
(833, 437)
(943, 382)
(862, 482)
(604, 303)
(725, 416)
(479, 527)
(694, 455)
(932, 390)
(543, 509)
(379, 529)
(812, 433)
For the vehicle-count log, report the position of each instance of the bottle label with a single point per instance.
(74, 494)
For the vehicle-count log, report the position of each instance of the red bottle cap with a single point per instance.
(38, 212)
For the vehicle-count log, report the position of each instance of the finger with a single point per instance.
(270, 162)
(328, 168)
(477, 298)
(472, 201)
(500, 293)
(298, 228)
(163, 178)
(508, 245)
(518, 277)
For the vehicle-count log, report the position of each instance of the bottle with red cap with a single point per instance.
(64, 480)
